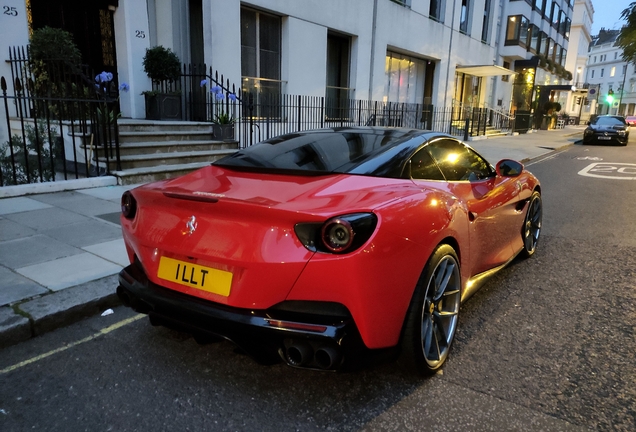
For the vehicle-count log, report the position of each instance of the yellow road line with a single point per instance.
(102, 332)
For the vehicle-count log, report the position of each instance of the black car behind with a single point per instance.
(607, 129)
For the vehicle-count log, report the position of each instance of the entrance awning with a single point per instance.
(484, 70)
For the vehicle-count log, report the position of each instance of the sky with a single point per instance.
(607, 14)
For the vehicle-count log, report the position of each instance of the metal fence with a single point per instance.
(261, 117)
(63, 123)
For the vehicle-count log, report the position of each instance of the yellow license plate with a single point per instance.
(195, 276)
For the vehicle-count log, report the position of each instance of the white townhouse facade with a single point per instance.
(440, 52)
(607, 70)
(578, 104)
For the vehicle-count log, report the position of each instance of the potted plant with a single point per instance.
(222, 119)
(164, 69)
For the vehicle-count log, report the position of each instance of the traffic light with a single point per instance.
(610, 96)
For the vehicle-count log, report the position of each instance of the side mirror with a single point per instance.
(587, 123)
(509, 168)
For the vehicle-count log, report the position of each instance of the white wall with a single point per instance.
(13, 33)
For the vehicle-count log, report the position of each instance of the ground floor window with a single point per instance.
(404, 78)
(260, 52)
(467, 89)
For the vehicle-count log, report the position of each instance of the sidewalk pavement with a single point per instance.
(60, 252)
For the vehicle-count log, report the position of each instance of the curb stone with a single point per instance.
(14, 328)
(59, 309)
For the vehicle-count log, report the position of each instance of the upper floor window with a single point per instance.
(517, 30)
(615, 55)
(534, 39)
(485, 26)
(602, 72)
(506, 78)
(564, 55)
(464, 17)
(543, 43)
(566, 31)
(613, 71)
(592, 73)
(436, 10)
(540, 6)
(549, 50)
(554, 16)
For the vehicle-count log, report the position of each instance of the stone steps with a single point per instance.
(155, 150)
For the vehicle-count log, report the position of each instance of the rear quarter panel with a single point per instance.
(376, 282)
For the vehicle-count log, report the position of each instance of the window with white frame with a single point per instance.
(602, 72)
(404, 78)
(612, 71)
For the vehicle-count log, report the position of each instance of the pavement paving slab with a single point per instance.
(85, 233)
(15, 287)
(69, 271)
(33, 250)
(20, 204)
(47, 218)
(10, 230)
(114, 251)
(78, 203)
(110, 193)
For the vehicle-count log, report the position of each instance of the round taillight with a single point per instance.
(337, 234)
(128, 205)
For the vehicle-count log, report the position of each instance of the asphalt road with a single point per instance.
(548, 344)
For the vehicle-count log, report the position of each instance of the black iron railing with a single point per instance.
(61, 123)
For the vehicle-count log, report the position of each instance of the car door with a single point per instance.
(491, 202)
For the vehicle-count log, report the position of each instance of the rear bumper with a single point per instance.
(606, 139)
(321, 342)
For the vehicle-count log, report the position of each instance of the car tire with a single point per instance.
(433, 313)
(531, 229)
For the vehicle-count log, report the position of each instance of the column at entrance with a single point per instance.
(132, 37)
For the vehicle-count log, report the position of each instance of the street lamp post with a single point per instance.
(620, 98)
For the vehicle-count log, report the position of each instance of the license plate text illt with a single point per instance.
(195, 276)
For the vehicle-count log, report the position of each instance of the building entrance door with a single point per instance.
(90, 23)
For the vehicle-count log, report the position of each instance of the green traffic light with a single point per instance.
(609, 99)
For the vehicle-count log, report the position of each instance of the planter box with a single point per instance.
(223, 132)
(163, 106)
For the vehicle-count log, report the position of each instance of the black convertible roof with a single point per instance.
(372, 151)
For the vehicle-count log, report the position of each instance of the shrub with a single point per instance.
(27, 161)
(161, 64)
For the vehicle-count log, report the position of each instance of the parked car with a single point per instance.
(630, 120)
(316, 246)
(607, 129)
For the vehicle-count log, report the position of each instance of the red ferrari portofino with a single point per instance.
(314, 246)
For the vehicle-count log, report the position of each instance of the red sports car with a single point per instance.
(630, 120)
(314, 246)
